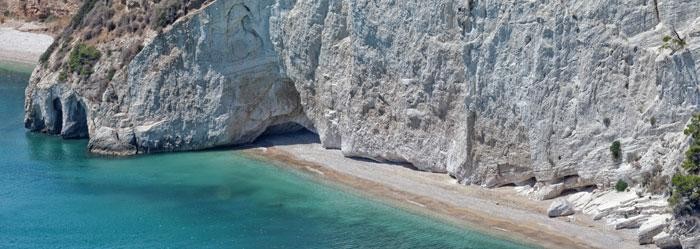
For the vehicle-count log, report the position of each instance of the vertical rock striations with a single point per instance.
(497, 92)
(490, 92)
(211, 79)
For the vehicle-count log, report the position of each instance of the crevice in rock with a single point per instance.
(57, 118)
(656, 11)
(529, 182)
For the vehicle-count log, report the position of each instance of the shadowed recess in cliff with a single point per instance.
(57, 125)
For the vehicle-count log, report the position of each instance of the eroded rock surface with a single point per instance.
(492, 92)
(531, 93)
(212, 79)
(497, 92)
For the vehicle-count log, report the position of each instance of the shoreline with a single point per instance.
(20, 47)
(500, 212)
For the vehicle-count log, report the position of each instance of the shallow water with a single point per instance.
(53, 194)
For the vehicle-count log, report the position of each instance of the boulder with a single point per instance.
(560, 207)
(664, 240)
(652, 227)
(691, 242)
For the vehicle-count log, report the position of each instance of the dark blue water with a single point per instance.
(53, 194)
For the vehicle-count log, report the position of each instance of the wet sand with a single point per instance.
(499, 211)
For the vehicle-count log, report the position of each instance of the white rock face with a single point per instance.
(213, 79)
(496, 92)
(491, 92)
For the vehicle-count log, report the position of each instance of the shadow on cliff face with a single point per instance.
(277, 135)
(57, 116)
(283, 135)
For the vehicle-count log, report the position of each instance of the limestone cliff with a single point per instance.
(490, 92)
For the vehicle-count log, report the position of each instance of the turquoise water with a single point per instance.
(53, 194)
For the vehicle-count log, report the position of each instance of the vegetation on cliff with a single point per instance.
(685, 196)
(621, 186)
(616, 150)
(82, 59)
(110, 32)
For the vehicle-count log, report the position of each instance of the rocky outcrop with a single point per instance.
(222, 87)
(212, 80)
(496, 92)
(665, 240)
(649, 214)
(654, 226)
(490, 92)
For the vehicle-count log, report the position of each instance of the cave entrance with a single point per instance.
(57, 125)
(286, 134)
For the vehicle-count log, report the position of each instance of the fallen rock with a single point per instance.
(652, 227)
(560, 207)
(664, 240)
(691, 243)
(628, 223)
(549, 191)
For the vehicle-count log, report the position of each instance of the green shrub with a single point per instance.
(616, 150)
(674, 43)
(685, 196)
(693, 128)
(692, 159)
(63, 76)
(621, 186)
(686, 193)
(692, 156)
(82, 59)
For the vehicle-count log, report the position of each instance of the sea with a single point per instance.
(55, 194)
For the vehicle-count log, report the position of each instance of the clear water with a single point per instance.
(53, 194)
